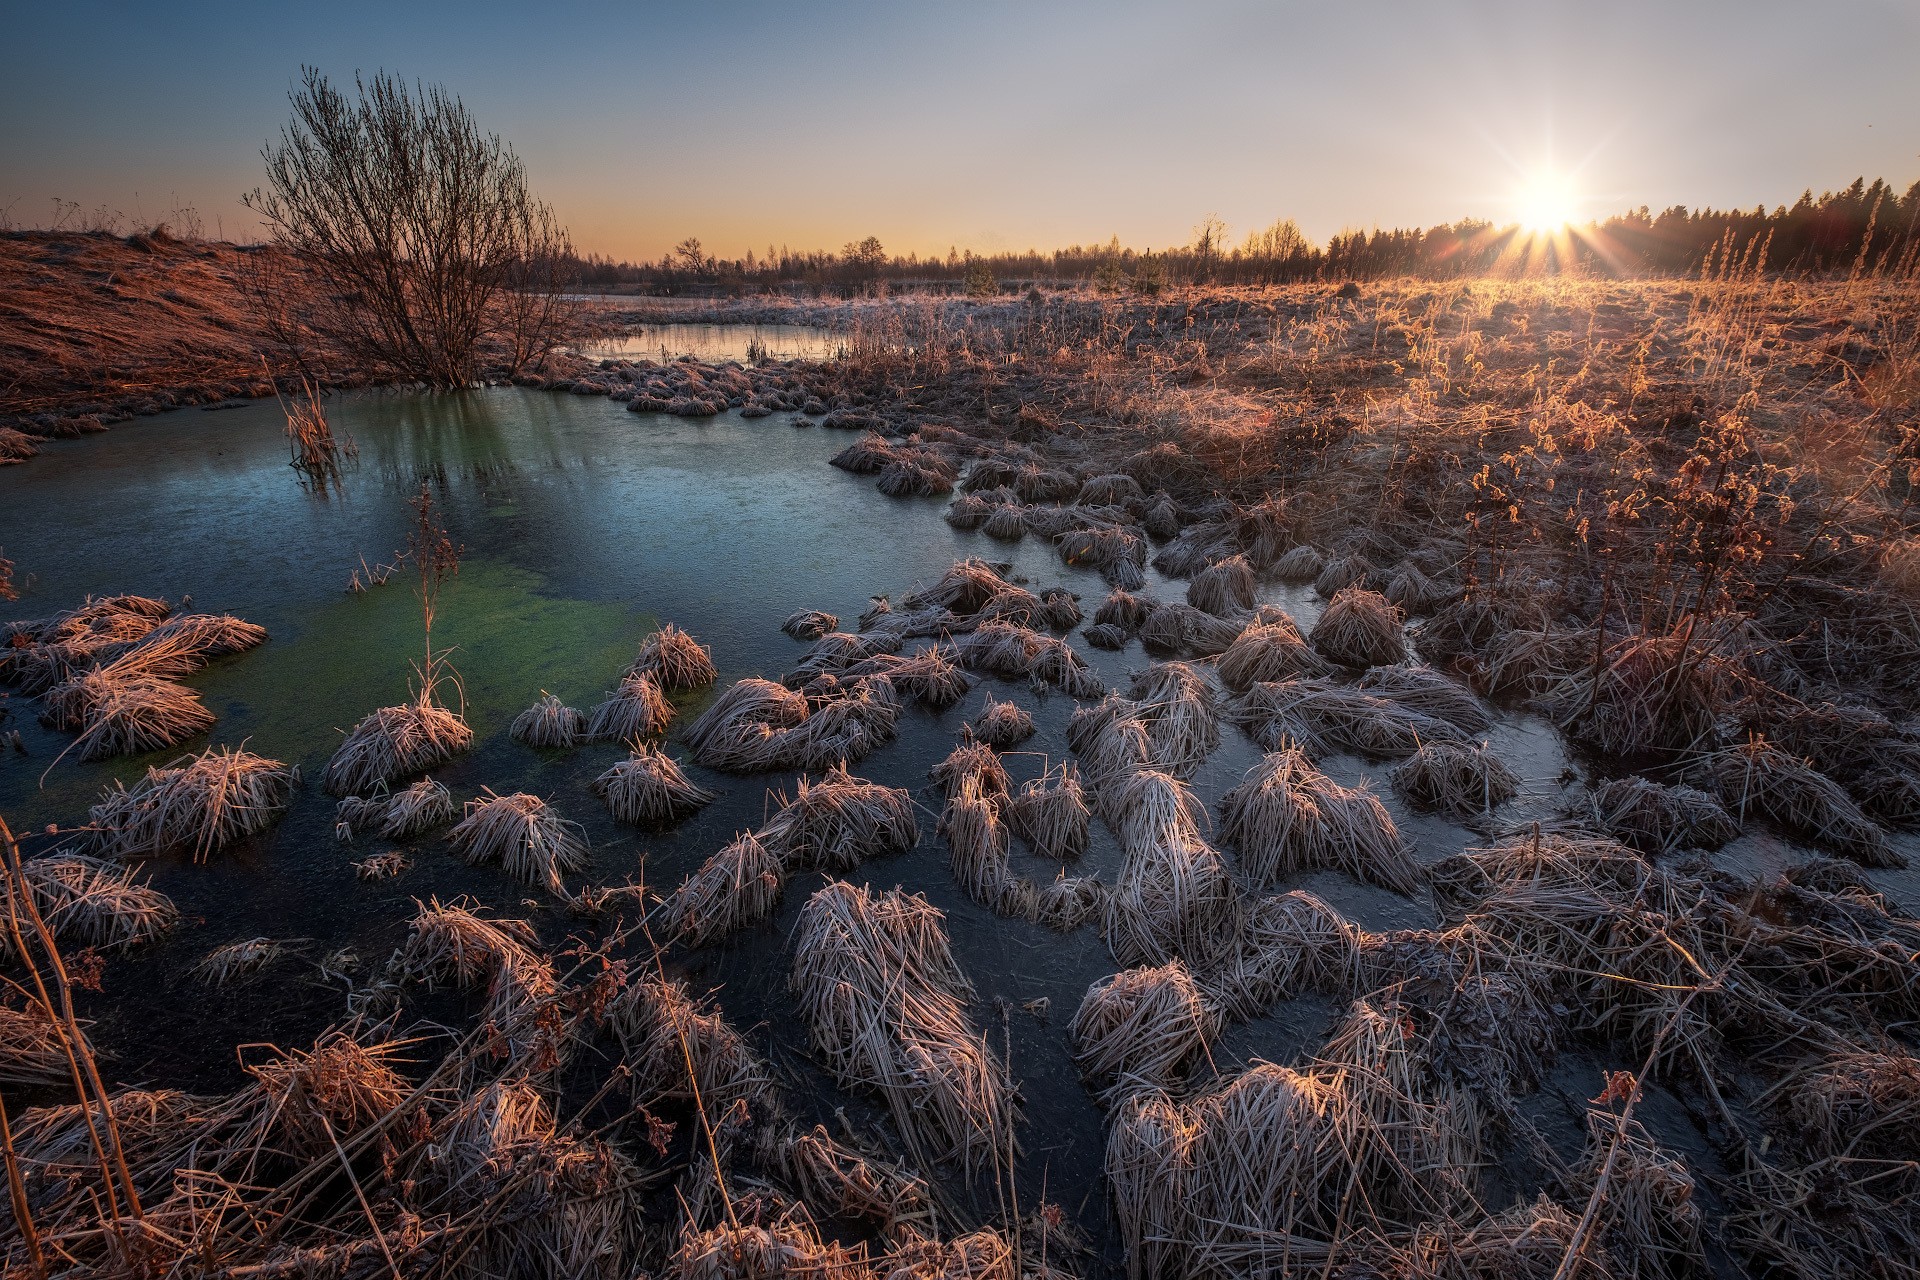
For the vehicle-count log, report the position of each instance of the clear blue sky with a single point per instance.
(993, 125)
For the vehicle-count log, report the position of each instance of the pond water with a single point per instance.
(583, 526)
(717, 343)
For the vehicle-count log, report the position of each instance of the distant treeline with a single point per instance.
(1865, 227)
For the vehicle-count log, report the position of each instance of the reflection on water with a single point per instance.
(718, 343)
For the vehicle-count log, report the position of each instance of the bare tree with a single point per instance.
(434, 256)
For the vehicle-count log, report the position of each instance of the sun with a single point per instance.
(1546, 203)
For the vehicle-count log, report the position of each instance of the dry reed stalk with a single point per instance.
(1428, 692)
(675, 660)
(1002, 725)
(649, 789)
(839, 822)
(1359, 628)
(238, 960)
(1759, 778)
(1050, 813)
(1140, 1028)
(809, 624)
(1223, 589)
(200, 803)
(1458, 778)
(1322, 718)
(1287, 817)
(90, 903)
(405, 814)
(1654, 818)
(887, 1008)
(521, 834)
(549, 723)
(1267, 651)
(392, 744)
(735, 887)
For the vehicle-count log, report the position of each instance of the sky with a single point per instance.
(992, 126)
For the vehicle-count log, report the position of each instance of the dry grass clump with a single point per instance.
(1050, 813)
(1430, 693)
(809, 624)
(1006, 523)
(634, 712)
(382, 866)
(788, 1246)
(1301, 564)
(971, 760)
(931, 678)
(977, 848)
(1104, 635)
(969, 511)
(90, 903)
(405, 814)
(1002, 725)
(37, 654)
(735, 887)
(394, 743)
(1176, 703)
(887, 1008)
(1060, 608)
(867, 456)
(1323, 719)
(648, 789)
(457, 945)
(1276, 1163)
(201, 803)
(1287, 817)
(675, 660)
(1655, 818)
(238, 959)
(1173, 899)
(1140, 1028)
(134, 714)
(1758, 778)
(523, 835)
(1339, 572)
(1183, 629)
(1666, 693)
(681, 1048)
(1119, 554)
(1110, 740)
(1458, 778)
(1010, 650)
(840, 821)
(303, 1101)
(1359, 628)
(33, 1048)
(846, 1183)
(1123, 610)
(1223, 589)
(549, 723)
(1861, 1104)
(1267, 651)
(1293, 944)
(758, 726)
(1413, 592)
